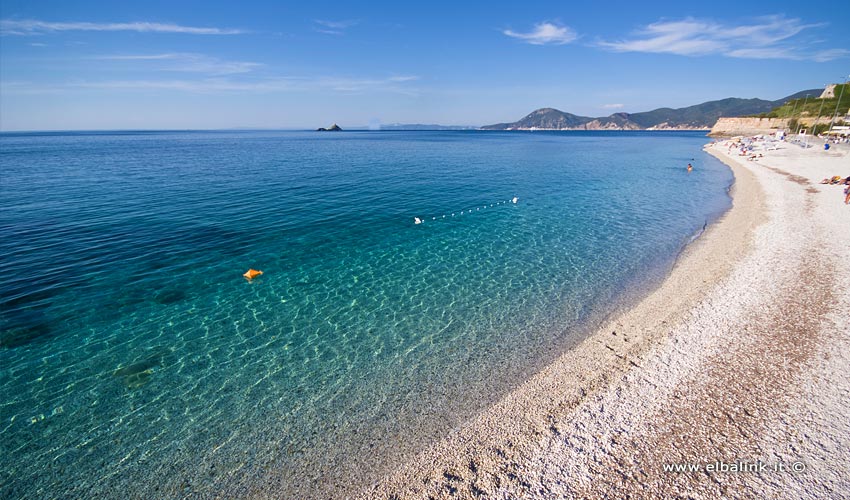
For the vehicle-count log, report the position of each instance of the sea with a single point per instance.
(136, 361)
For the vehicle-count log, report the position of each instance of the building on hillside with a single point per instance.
(828, 92)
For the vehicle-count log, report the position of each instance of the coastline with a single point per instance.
(672, 380)
(600, 129)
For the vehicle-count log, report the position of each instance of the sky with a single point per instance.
(67, 65)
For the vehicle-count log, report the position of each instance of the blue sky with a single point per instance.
(199, 65)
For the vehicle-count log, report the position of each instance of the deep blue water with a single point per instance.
(134, 356)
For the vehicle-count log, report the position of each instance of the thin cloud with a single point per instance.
(189, 62)
(767, 37)
(35, 27)
(228, 85)
(613, 106)
(545, 33)
(211, 85)
(394, 84)
(771, 53)
(337, 24)
(334, 27)
(143, 57)
(830, 54)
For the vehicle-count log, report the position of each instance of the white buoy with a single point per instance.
(514, 200)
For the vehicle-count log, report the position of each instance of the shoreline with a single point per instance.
(578, 427)
(537, 129)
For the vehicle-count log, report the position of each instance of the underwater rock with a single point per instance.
(137, 380)
(23, 327)
(139, 372)
(170, 296)
(146, 365)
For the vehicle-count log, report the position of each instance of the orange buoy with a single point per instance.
(252, 273)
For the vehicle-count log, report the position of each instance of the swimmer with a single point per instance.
(690, 168)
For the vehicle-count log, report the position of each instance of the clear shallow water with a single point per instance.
(136, 358)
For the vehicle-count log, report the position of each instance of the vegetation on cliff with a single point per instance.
(802, 108)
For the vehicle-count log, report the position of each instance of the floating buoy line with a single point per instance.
(418, 220)
(250, 274)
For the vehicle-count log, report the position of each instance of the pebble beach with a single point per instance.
(727, 381)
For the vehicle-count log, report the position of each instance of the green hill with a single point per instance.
(699, 116)
(547, 118)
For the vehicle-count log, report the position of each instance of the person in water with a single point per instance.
(690, 167)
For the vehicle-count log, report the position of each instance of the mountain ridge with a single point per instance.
(697, 117)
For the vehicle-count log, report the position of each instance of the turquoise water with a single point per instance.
(137, 359)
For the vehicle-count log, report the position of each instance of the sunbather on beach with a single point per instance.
(834, 180)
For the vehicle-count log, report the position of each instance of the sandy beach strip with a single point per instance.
(735, 368)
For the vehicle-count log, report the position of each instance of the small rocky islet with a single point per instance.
(332, 128)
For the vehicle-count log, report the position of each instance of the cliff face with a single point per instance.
(747, 126)
(611, 124)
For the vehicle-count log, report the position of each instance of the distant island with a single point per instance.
(332, 128)
(699, 117)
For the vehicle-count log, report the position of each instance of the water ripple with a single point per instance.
(136, 358)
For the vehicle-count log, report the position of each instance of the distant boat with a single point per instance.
(332, 128)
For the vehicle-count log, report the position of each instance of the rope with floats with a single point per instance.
(417, 220)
